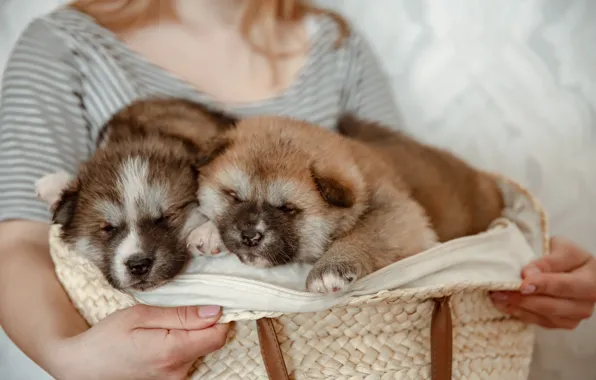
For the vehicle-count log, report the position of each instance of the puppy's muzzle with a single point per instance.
(251, 237)
(139, 265)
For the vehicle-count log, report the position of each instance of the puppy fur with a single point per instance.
(132, 205)
(459, 199)
(281, 190)
(193, 123)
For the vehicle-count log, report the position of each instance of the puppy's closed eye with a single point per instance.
(108, 229)
(231, 194)
(162, 220)
(289, 208)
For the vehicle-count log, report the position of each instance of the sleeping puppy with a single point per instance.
(459, 199)
(279, 191)
(132, 205)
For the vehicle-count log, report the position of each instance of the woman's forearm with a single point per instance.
(35, 312)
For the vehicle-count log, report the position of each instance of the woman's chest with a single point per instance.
(221, 64)
(114, 75)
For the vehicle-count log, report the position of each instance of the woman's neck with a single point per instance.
(205, 41)
(200, 14)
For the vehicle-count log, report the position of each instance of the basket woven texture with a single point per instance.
(381, 336)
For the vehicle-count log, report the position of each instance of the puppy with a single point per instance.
(459, 199)
(281, 191)
(132, 205)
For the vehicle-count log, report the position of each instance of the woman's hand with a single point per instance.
(558, 290)
(142, 342)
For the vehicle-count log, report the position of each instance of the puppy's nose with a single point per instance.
(139, 266)
(251, 237)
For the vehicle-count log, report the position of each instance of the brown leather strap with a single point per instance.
(441, 345)
(441, 341)
(271, 351)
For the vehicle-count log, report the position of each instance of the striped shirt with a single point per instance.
(67, 75)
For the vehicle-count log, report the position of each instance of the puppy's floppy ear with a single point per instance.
(65, 208)
(49, 187)
(212, 149)
(335, 190)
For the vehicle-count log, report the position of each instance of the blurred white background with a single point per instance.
(508, 84)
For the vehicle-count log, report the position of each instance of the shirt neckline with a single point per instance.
(316, 43)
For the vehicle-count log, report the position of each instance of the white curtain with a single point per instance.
(509, 85)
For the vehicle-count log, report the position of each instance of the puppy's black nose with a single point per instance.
(251, 237)
(139, 266)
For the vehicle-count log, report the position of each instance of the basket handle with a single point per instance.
(441, 344)
(441, 340)
(271, 351)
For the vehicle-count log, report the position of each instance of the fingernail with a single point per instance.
(499, 296)
(532, 271)
(209, 311)
(528, 289)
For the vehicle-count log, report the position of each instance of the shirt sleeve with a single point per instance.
(42, 123)
(367, 92)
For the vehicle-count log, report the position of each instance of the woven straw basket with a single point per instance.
(426, 317)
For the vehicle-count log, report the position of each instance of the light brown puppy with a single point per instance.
(281, 190)
(459, 199)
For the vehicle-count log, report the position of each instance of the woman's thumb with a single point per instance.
(175, 318)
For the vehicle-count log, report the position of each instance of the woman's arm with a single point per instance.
(367, 92)
(42, 130)
(34, 309)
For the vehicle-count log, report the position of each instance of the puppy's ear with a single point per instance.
(211, 150)
(49, 187)
(65, 208)
(335, 190)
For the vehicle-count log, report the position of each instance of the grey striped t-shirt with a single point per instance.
(67, 75)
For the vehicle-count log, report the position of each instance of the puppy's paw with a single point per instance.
(206, 241)
(49, 187)
(331, 277)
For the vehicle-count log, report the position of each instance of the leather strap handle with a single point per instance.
(441, 344)
(441, 340)
(271, 351)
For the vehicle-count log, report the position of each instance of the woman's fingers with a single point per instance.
(208, 341)
(523, 315)
(558, 290)
(550, 306)
(568, 272)
(526, 316)
(190, 345)
(564, 257)
(577, 285)
(175, 318)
